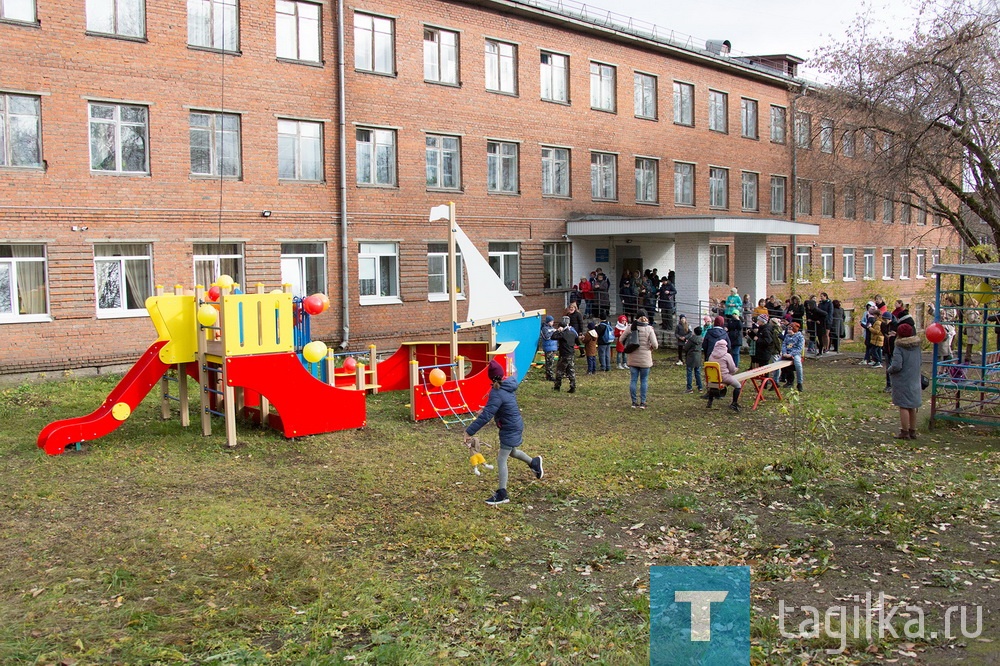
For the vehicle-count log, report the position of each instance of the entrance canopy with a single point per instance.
(672, 226)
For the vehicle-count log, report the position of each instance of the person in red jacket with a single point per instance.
(586, 291)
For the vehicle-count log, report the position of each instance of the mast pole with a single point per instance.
(452, 281)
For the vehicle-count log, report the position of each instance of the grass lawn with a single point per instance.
(158, 546)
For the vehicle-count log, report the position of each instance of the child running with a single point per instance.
(502, 406)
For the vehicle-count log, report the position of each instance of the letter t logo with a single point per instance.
(701, 611)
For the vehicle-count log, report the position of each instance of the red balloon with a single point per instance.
(312, 304)
(350, 364)
(935, 333)
(213, 293)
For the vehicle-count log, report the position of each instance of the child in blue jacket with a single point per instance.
(502, 407)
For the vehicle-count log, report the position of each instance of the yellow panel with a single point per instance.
(174, 319)
(258, 324)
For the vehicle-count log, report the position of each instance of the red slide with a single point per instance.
(133, 387)
(306, 405)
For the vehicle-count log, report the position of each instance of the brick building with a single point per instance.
(164, 143)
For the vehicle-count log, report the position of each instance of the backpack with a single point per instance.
(632, 342)
(608, 336)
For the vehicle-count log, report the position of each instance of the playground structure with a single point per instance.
(966, 387)
(251, 357)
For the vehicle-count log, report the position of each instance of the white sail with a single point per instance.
(487, 295)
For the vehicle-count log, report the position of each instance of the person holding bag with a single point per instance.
(640, 341)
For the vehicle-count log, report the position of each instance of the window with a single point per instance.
(683, 103)
(378, 273)
(869, 207)
(718, 267)
(373, 44)
(303, 265)
(214, 259)
(904, 264)
(603, 176)
(803, 263)
(376, 156)
(683, 184)
(869, 261)
(803, 130)
(777, 264)
(848, 142)
(214, 24)
(718, 103)
(118, 138)
(803, 197)
(826, 264)
(850, 203)
(888, 208)
(937, 219)
(505, 261)
(905, 210)
(437, 272)
(23, 290)
(20, 130)
(124, 278)
(440, 56)
(555, 172)
(829, 200)
(848, 264)
(18, 10)
(645, 96)
(501, 67)
(935, 257)
(922, 213)
(556, 258)
(646, 171)
(297, 33)
(826, 135)
(501, 167)
(602, 87)
(748, 118)
(777, 124)
(443, 162)
(887, 262)
(555, 77)
(125, 18)
(778, 188)
(868, 140)
(921, 264)
(215, 144)
(749, 181)
(300, 150)
(718, 187)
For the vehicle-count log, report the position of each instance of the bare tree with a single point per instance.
(920, 116)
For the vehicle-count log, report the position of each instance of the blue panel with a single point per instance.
(525, 332)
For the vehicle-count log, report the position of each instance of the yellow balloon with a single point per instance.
(983, 292)
(315, 351)
(207, 315)
(225, 281)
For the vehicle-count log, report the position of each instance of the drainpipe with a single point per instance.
(793, 238)
(345, 292)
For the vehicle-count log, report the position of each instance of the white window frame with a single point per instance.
(750, 186)
(301, 137)
(718, 262)
(499, 255)
(501, 67)
(119, 126)
(803, 264)
(111, 17)
(826, 267)
(112, 262)
(203, 20)
(779, 194)
(603, 86)
(718, 188)
(904, 264)
(379, 140)
(749, 125)
(377, 34)
(441, 56)
(778, 265)
(502, 159)
(22, 12)
(847, 264)
(214, 257)
(556, 171)
(645, 86)
(298, 30)
(921, 268)
(603, 176)
(11, 265)
(437, 268)
(888, 263)
(554, 77)
(7, 102)
(647, 171)
(935, 257)
(308, 265)
(683, 103)
(438, 147)
(684, 183)
(718, 111)
(373, 256)
(868, 265)
(217, 159)
(557, 259)
(779, 123)
(826, 135)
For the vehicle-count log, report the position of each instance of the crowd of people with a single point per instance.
(645, 290)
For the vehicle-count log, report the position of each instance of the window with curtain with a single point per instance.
(437, 272)
(303, 265)
(214, 24)
(125, 18)
(378, 273)
(23, 290)
(214, 259)
(124, 278)
(505, 260)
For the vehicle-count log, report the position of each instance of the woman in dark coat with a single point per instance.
(905, 373)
